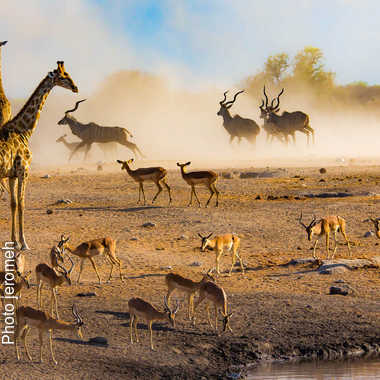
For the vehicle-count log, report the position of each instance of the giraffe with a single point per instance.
(15, 154)
(5, 115)
(5, 106)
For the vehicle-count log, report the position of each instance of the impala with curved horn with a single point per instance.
(288, 123)
(331, 223)
(237, 126)
(94, 133)
(47, 275)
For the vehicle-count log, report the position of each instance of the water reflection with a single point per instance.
(320, 370)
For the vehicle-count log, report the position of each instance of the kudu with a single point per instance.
(237, 126)
(288, 123)
(94, 133)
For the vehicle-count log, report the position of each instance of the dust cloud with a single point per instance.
(173, 123)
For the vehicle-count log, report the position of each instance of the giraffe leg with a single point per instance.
(96, 270)
(13, 198)
(21, 207)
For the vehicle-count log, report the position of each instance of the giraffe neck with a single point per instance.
(26, 120)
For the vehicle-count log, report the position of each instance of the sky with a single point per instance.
(197, 43)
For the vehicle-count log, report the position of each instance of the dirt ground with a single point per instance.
(280, 312)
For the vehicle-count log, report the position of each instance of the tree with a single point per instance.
(275, 66)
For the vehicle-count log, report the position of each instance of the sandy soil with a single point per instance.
(279, 311)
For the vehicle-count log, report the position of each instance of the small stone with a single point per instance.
(338, 290)
(169, 267)
(160, 249)
(134, 238)
(369, 234)
(322, 170)
(183, 237)
(195, 264)
(88, 294)
(48, 211)
(46, 176)
(149, 224)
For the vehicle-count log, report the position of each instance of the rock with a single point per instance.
(338, 290)
(88, 294)
(322, 180)
(149, 225)
(183, 237)
(368, 234)
(64, 201)
(160, 249)
(322, 170)
(195, 264)
(98, 340)
(134, 238)
(46, 176)
(49, 211)
(227, 175)
(169, 267)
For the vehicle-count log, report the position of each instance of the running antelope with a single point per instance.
(219, 244)
(20, 283)
(331, 223)
(205, 177)
(175, 281)
(155, 174)
(289, 122)
(139, 308)
(94, 133)
(216, 295)
(237, 126)
(47, 275)
(88, 250)
(28, 317)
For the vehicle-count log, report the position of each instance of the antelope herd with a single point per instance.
(15, 158)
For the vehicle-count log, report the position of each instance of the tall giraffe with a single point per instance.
(5, 106)
(15, 155)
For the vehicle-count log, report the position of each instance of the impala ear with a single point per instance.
(118, 161)
(188, 163)
(178, 164)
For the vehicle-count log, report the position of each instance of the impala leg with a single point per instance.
(81, 268)
(135, 325)
(56, 303)
(217, 259)
(346, 239)
(158, 192)
(335, 245)
(211, 194)
(315, 246)
(139, 192)
(18, 332)
(217, 195)
(208, 316)
(327, 243)
(132, 317)
(240, 261)
(168, 189)
(24, 336)
(41, 337)
(52, 302)
(191, 197)
(191, 305)
(151, 335)
(232, 263)
(197, 303)
(51, 346)
(96, 270)
(216, 317)
(39, 300)
(196, 196)
(115, 261)
(168, 295)
(143, 193)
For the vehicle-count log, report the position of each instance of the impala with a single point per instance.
(376, 224)
(28, 317)
(189, 287)
(88, 250)
(216, 295)
(155, 174)
(138, 308)
(47, 275)
(20, 283)
(331, 223)
(56, 257)
(219, 244)
(205, 177)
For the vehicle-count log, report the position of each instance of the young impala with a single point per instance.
(205, 177)
(215, 294)
(104, 246)
(331, 223)
(219, 244)
(28, 317)
(139, 308)
(189, 287)
(47, 275)
(155, 174)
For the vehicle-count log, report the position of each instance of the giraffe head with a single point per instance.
(61, 78)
